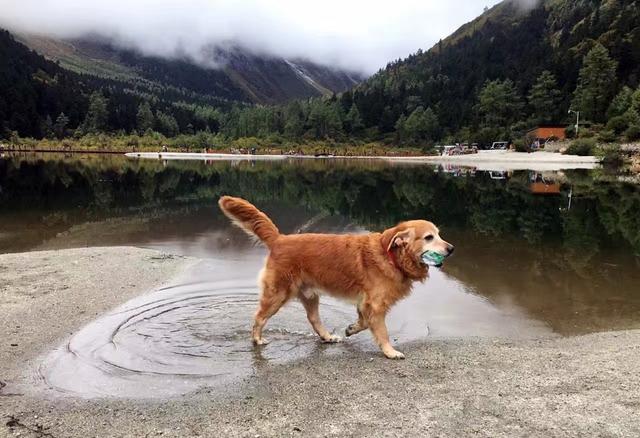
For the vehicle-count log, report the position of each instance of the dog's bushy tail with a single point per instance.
(250, 219)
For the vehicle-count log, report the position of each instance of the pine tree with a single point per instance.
(47, 127)
(166, 124)
(635, 100)
(413, 124)
(144, 118)
(60, 127)
(325, 118)
(353, 121)
(317, 118)
(294, 120)
(430, 125)
(421, 125)
(499, 103)
(621, 103)
(596, 84)
(334, 118)
(399, 126)
(632, 117)
(387, 119)
(97, 115)
(544, 98)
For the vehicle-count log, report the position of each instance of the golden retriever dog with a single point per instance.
(373, 270)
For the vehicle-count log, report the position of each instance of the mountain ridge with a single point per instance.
(246, 76)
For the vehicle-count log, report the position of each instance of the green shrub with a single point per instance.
(581, 146)
(633, 132)
(618, 124)
(611, 155)
(586, 133)
(570, 131)
(521, 145)
(607, 136)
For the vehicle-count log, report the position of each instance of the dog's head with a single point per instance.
(407, 241)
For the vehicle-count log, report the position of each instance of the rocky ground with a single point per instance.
(579, 386)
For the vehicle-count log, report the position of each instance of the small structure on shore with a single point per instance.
(536, 138)
(548, 131)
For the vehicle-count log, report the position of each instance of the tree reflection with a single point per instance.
(373, 194)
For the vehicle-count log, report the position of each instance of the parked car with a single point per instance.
(499, 146)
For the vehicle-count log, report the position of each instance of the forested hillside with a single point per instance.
(31, 87)
(509, 69)
(39, 98)
(95, 88)
(493, 79)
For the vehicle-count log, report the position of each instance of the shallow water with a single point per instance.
(195, 333)
(536, 255)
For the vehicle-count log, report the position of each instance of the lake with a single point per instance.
(537, 254)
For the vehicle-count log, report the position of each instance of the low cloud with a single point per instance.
(357, 35)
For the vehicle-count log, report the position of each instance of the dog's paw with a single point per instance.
(394, 354)
(351, 330)
(333, 339)
(261, 341)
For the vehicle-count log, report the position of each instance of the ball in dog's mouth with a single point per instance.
(432, 258)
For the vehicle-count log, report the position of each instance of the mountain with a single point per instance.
(57, 88)
(235, 73)
(519, 64)
(272, 80)
(508, 48)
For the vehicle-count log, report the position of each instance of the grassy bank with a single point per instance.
(618, 155)
(211, 142)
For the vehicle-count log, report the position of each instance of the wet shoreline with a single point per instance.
(485, 160)
(553, 386)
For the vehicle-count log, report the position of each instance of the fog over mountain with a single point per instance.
(359, 35)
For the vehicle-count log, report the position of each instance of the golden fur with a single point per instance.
(372, 270)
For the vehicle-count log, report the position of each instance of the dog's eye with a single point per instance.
(428, 238)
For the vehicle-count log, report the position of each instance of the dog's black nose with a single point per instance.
(450, 249)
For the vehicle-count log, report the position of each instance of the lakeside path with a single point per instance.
(484, 160)
(578, 386)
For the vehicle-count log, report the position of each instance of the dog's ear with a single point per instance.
(392, 238)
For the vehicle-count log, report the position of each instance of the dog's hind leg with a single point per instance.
(271, 301)
(311, 304)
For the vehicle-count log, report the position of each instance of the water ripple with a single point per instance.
(178, 339)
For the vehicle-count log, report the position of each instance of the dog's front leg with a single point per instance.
(379, 329)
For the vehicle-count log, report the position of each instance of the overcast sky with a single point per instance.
(360, 35)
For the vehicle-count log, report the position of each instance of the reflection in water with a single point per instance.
(560, 248)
